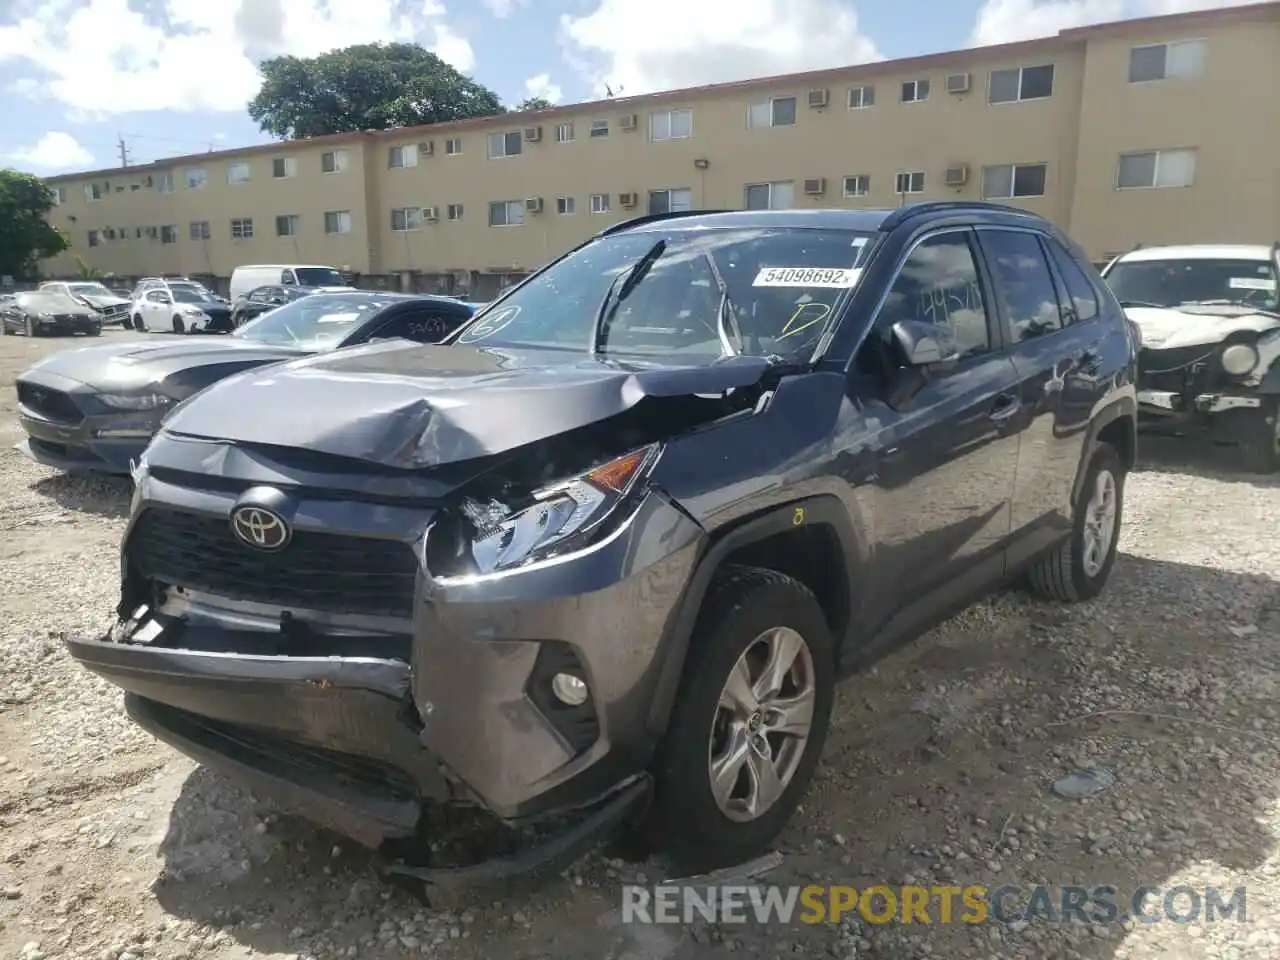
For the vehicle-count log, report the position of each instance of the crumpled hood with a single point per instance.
(1168, 329)
(138, 363)
(408, 406)
(99, 301)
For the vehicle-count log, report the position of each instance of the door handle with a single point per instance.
(1006, 406)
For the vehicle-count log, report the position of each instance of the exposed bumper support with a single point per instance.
(1164, 401)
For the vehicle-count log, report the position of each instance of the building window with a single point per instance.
(95, 238)
(333, 161)
(242, 229)
(169, 234)
(771, 196)
(505, 145)
(59, 196)
(453, 147)
(565, 206)
(405, 219)
(287, 225)
(862, 97)
(93, 191)
(599, 128)
(564, 131)
(398, 157)
(337, 221)
(1164, 61)
(237, 173)
(599, 203)
(284, 168)
(506, 213)
(196, 178)
(778, 112)
(165, 183)
(1156, 168)
(671, 125)
(858, 185)
(670, 201)
(914, 91)
(454, 211)
(909, 181)
(199, 230)
(1022, 83)
(1012, 180)
(138, 233)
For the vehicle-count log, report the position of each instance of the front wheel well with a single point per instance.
(1119, 433)
(810, 554)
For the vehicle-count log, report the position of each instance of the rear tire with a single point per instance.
(1260, 445)
(1078, 569)
(749, 615)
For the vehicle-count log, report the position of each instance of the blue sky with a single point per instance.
(172, 77)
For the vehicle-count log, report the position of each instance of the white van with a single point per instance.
(254, 275)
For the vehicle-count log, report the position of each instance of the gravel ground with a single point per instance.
(939, 767)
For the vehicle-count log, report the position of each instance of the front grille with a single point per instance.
(1185, 370)
(316, 571)
(51, 404)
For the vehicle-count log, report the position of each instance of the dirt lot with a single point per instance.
(939, 767)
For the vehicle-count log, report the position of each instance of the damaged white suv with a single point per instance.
(1210, 358)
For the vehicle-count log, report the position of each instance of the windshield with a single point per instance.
(90, 289)
(318, 322)
(319, 277)
(191, 295)
(1171, 283)
(48, 301)
(780, 286)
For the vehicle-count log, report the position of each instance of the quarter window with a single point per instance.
(778, 112)
(1021, 83)
(1023, 283)
(1014, 180)
(770, 196)
(938, 285)
(1156, 168)
(1083, 295)
(1164, 61)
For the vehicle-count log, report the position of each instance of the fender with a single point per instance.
(1122, 403)
(821, 510)
(1270, 385)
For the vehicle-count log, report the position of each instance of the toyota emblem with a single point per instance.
(259, 527)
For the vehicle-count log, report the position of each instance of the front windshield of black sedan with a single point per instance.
(318, 322)
(1175, 282)
(692, 293)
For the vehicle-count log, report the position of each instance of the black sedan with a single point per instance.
(43, 312)
(261, 299)
(95, 410)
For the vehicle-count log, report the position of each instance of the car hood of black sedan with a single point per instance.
(139, 364)
(412, 406)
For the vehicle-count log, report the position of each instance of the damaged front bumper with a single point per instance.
(1165, 411)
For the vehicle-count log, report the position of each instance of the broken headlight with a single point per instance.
(559, 516)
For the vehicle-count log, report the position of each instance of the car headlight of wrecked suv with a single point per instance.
(135, 401)
(552, 520)
(1239, 359)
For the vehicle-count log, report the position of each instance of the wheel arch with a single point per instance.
(810, 539)
(1115, 424)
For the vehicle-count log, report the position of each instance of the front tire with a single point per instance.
(1260, 445)
(178, 325)
(1078, 569)
(30, 327)
(139, 324)
(749, 722)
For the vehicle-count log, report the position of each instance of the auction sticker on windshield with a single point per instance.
(338, 318)
(806, 277)
(1251, 283)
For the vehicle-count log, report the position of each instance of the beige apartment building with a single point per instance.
(1150, 131)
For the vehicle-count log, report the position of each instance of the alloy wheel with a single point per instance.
(762, 724)
(1099, 523)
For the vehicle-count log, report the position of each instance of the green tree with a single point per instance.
(369, 86)
(534, 103)
(26, 236)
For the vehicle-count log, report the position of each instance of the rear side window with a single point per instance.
(1023, 282)
(1083, 295)
(286, 276)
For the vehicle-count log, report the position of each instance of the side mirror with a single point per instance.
(923, 344)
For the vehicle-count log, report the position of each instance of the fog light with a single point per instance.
(569, 690)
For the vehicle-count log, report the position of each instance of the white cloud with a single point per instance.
(54, 151)
(541, 86)
(1007, 21)
(502, 8)
(102, 57)
(621, 42)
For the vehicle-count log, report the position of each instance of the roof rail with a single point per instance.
(912, 210)
(653, 218)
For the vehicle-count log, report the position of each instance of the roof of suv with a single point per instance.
(1205, 251)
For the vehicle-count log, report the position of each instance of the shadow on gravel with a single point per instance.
(938, 770)
(106, 496)
(1196, 458)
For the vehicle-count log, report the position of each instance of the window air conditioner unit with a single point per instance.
(430, 214)
(956, 176)
(532, 134)
(533, 204)
(629, 122)
(815, 186)
(818, 99)
(627, 199)
(426, 148)
(958, 83)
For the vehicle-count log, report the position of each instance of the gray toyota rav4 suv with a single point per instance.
(596, 564)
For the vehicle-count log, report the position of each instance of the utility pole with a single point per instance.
(124, 152)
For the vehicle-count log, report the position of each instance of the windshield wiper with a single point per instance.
(726, 313)
(624, 284)
(1228, 302)
(1126, 304)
